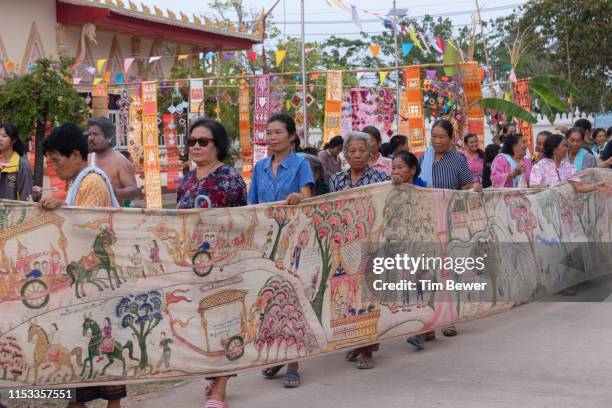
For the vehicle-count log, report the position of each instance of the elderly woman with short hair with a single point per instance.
(357, 151)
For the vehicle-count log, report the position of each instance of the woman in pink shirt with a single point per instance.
(553, 169)
(377, 160)
(474, 156)
(511, 168)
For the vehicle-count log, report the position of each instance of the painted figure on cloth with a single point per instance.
(137, 267)
(156, 263)
(164, 360)
(54, 347)
(303, 240)
(268, 240)
(24, 260)
(107, 344)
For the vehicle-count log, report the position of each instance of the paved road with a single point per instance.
(546, 354)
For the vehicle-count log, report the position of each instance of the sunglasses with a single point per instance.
(202, 142)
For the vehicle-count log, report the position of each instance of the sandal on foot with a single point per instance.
(366, 364)
(416, 342)
(271, 372)
(291, 380)
(352, 355)
(450, 331)
(216, 404)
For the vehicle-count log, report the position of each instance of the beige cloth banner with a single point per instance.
(123, 295)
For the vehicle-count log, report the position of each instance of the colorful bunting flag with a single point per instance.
(96, 81)
(375, 49)
(280, 56)
(355, 17)
(127, 63)
(252, 55)
(422, 37)
(415, 39)
(441, 44)
(342, 52)
(406, 48)
(100, 64)
(183, 57)
(153, 59)
(76, 81)
(512, 76)
(118, 79)
(382, 75)
(107, 75)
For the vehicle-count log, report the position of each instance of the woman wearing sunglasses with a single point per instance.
(208, 145)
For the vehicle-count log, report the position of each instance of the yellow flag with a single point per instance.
(287, 105)
(415, 39)
(97, 81)
(280, 56)
(183, 57)
(100, 64)
(383, 75)
(507, 96)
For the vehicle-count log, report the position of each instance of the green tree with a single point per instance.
(43, 95)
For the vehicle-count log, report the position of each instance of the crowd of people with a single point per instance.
(99, 176)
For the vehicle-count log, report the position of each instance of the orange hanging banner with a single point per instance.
(523, 99)
(99, 100)
(333, 105)
(244, 122)
(153, 193)
(473, 93)
(412, 120)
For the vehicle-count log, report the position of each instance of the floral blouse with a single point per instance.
(224, 187)
(545, 172)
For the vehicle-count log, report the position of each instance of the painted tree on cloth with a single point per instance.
(280, 216)
(39, 97)
(141, 314)
(336, 224)
(12, 362)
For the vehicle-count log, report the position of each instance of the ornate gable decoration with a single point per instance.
(34, 50)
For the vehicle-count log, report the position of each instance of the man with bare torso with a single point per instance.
(119, 169)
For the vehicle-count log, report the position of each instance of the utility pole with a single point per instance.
(263, 40)
(304, 105)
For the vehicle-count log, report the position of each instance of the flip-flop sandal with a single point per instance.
(272, 371)
(450, 331)
(216, 404)
(352, 355)
(416, 342)
(292, 379)
(366, 364)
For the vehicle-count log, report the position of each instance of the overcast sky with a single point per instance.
(323, 20)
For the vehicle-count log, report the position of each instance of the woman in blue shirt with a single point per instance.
(282, 176)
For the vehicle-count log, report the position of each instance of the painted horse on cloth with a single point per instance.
(43, 354)
(102, 257)
(93, 348)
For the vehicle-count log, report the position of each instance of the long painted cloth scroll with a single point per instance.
(473, 93)
(150, 138)
(412, 118)
(261, 113)
(333, 105)
(135, 131)
(244, 123)
(522, 97)
(99, 100)
(125, 295)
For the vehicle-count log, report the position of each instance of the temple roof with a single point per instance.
(115, 16)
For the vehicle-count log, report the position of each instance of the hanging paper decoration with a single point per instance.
(280, 56)
(76, 81)
(412, 119)
(261, 113)
(422, 37)
(99, 102)
(287, 105)
(373, 107)
(127, 63)
(172, 154)
(523, 99)
(382, 76)
(342, 52)
(473, 92)
(415, 39)
(107, 76)
(154, 59)
(183, 57)
(196, 96)
(152, 176)
(333, 105)
(441, 44)
(100, 64)
(296, 101)
(228, 56)
(277, 96)
(135, 131)
(512, 77)
(252, 55)
(375, 49)
(244, 123)
(355, 17)
(91, 70)
(406, 48)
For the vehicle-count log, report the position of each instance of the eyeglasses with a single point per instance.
(202, 142)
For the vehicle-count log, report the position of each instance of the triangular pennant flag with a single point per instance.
(107, 76)
(422, 37)
(513, 77)
(127, 63)
(382, 75)
(507, 96)
(201, 55)
(209, 55)
(406, 48)
(228, 56)
(100, 64)
(96, 81)
(252, 56)
(91, 70)
(374, 49)
(355, 17)
(183, 57)
(153, 59)
(441, 43)
(342, 52)
(433, 43)
(359, 75)
(414, 39)
(280, 56)
(76, 81)
(118, 79)
(287, 105)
